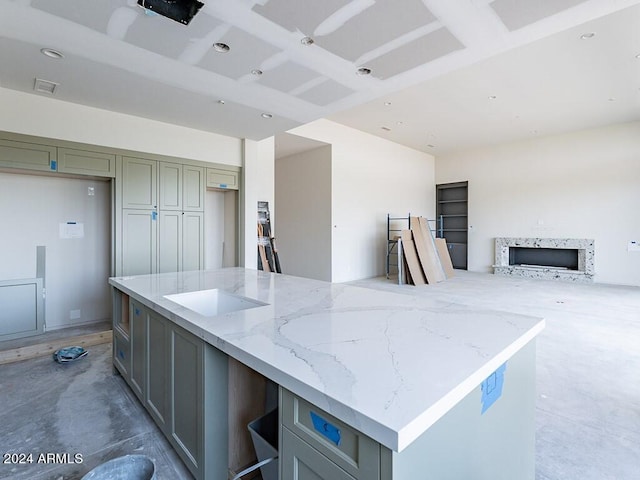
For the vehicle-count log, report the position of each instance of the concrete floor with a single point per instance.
(588, 404)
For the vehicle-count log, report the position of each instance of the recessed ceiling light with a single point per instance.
(431, 146)
(386, 129)
(306, 41)
(612, 99)
(386, 104)
(256, 72)
(638, 56)
(586, 36)
(267, 115)
(399, 123)
(221, 47)
(363, 71)
(221, 102)
(51, 53)
(492, 97)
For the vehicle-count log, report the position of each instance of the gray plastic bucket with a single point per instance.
(129, 467)
(264, 433)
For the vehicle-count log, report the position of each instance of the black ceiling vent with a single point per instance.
(179, 10)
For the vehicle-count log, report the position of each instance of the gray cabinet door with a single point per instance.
(30, 156)
(138, 341)
(170, 241)
(158, 391)
(186, 397)
(83, 162)
(193, 188)
(139, 183)
(193, 241)
(170, 186)
(300, 461)
(139, 237)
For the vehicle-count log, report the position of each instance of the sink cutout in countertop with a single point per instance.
(210, 303)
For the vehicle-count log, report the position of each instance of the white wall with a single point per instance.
(371, 177)
(258, 185)
(579, 185)
(31, 209)
(46, 117)
(303, 203)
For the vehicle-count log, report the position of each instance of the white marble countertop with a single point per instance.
(390, 365)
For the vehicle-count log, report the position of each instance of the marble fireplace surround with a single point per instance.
(586, 252)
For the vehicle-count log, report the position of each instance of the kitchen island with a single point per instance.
(373, 385)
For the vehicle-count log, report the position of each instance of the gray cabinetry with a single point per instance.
(171, 236)
(139, 183)
(219, 178)
(28, 156)
(138, 341)
(354, 453)
(83, 162)
(158, 398)
(139, 240)
(182, 382)
(302, 462)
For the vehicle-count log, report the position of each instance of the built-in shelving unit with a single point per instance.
(451, 220)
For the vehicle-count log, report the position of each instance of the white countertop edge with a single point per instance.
(420, 425)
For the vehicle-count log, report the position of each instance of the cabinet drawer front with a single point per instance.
(301, 462)
(356, 453)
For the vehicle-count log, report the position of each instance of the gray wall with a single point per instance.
(303, 203)
(32, 207)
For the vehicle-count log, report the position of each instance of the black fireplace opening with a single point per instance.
(544, 257)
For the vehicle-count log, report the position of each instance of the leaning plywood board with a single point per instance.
(431, 247)
(445, 258)
(411, 257)
(427, 256)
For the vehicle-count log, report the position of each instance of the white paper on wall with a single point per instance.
(72, 230)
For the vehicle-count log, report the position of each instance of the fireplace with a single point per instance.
(569, 259)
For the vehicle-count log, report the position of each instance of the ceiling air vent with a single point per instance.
(179, 10)
(45, 86)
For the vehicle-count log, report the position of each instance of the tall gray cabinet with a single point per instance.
(162, 216)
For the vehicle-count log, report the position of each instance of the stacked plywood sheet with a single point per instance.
(427, 259)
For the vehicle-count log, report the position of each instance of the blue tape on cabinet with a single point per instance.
(325, 428)
(492, 387)
(53, 165)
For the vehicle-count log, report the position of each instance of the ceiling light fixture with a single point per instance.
(221, 47)
(386, 129)
(399, 123)
(386, 104)
(612, 99)
(431, 146)
(307, 41)
(266, 115)
(51, 53)
(638, 56)
(587, 36)
(492, 97)
(363, 71)
(257, 72)
(221, 102)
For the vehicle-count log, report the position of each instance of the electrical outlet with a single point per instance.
(633, 246)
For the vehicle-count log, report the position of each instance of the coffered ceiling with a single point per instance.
(419, 72)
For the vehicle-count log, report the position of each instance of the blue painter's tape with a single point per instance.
(325, 428)
(223, 185)
(154, 215)
(492, 387)
(53, 165)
